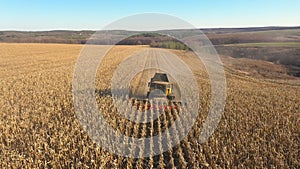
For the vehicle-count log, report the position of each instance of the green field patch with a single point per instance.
(267, 44)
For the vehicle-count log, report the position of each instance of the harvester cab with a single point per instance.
(159, 86)
(160, 92)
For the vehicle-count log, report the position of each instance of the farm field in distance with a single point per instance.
(269, 44)
(39, 128)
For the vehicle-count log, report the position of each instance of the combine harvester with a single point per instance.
(160, 95)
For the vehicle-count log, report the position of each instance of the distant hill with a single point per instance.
(218, 36)
(57, 36)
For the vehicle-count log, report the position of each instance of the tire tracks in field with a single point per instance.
(138, 85)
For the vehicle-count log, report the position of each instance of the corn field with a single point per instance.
(39, 127)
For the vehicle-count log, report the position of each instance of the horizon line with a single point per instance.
(221, 27)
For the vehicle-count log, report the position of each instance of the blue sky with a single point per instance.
(93, 15)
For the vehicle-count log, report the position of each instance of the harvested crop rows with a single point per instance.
(39, 127)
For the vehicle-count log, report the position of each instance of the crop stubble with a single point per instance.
(39, 128)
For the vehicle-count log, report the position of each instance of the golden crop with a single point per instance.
(39, 128)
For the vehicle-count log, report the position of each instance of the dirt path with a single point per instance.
(153, 61)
